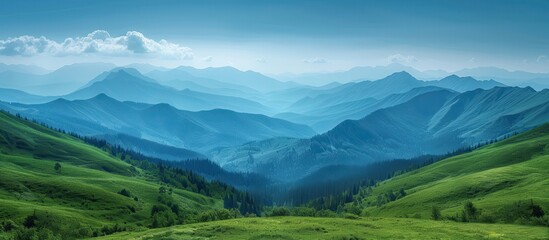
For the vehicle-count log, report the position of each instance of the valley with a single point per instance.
(211, 119)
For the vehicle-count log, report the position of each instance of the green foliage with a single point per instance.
(435, 213)
(525, 212)
(163, 219)
(57, 167)
(493, 177)
(125, 192)
(8, 225)
(303, 212)
(90, 198)
(279, 211)
(470, 212)
(218, 214)
(337, 228)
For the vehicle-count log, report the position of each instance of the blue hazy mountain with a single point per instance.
(12, 95)
(324, 109)
(399, 82)
(161, 123)
(130, 85)
(434, 122)
(22, 68)
(464, 84)
(61, 81)
(537, 81)
(511, 78)
(325, 118)
(180, 79)
(150, 148)
(250, 79)
(145, 67)
(354, 74)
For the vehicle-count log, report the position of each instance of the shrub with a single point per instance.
(280, 211)
(435, 213)
(8, 225)
(352, 209)
(524, 212)
(163, 219)
(30, 221)
(303, 212)
(125, 192)
(470, 212)
(218, 214)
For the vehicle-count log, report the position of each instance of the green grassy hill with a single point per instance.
(495, 178)
(83, 194)
(289, 228)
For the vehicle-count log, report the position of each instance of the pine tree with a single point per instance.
(435, 213)
(57, 167)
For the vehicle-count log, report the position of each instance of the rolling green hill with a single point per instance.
(82, 196)
(289, 228)
(495, 178)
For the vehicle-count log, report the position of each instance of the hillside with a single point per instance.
(494, 178)
(323, 119)
(435, 122)
(338, 228)
(83, 196)
(161, 123)
(130, 85)
(384, 87)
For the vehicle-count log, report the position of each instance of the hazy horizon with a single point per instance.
(279, 37)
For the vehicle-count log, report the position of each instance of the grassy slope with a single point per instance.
(85, 191)
(491, 177)
(338, 228)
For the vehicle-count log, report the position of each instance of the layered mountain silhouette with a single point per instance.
(13, 95)
(59, 82)
(130, 85)
(250, 79)
(161, 123)
(324, 109)
(434, 122)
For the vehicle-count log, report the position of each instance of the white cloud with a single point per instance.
(541, 58)
(399, 58)
(315, 60)
(97, 42)
(207, 59)
(261, 60)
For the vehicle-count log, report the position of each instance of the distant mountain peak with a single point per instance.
(125, 74)
(102, 97)
(402, 74)
(400, 77)
(455, 77)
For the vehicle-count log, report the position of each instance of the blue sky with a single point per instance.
(286, 36)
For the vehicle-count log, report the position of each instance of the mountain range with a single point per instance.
(130, 85)
(161, 123)
(434, 122)
(537, 81)
(59, 82)
(324, 109)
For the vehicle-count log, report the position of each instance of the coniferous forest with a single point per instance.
(211, 119)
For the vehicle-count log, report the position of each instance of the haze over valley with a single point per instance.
(289, 120)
